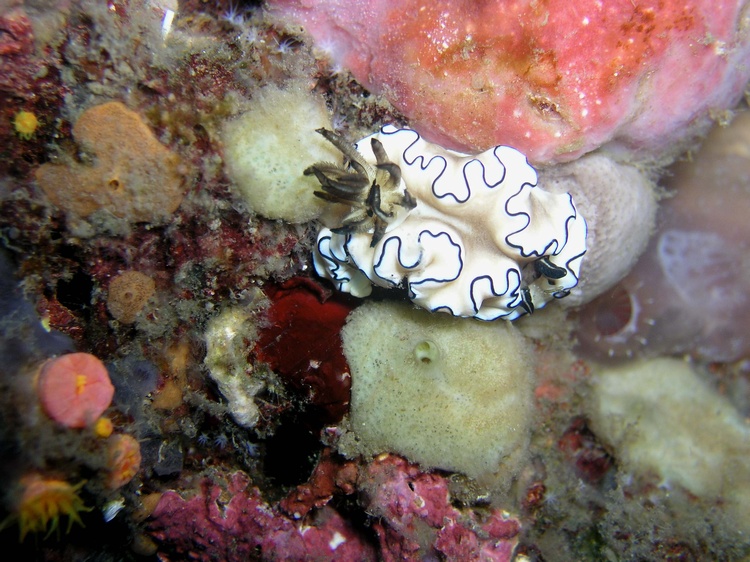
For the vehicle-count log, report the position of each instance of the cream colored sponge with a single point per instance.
(671, 427)
(619, 202)
(667, 422)
(267, 148)
(450, 393)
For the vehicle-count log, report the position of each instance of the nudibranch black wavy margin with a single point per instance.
(472, 236)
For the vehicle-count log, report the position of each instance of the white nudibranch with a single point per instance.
(467, 235)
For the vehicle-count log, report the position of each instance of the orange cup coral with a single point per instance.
(123, 460)
(43, 501)
(133, 176)
(75, 389)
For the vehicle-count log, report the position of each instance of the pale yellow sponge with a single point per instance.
(449, 393)
(267, 148)
(665, 421)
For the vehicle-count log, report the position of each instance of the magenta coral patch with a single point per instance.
(417, 520)
(240, 525)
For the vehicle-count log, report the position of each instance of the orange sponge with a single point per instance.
(128, 293)
(133, 176)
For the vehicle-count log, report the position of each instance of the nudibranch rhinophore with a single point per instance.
(468, 235)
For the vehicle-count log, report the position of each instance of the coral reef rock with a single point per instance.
(689, 292)
(417, 521)
(235, 523)
(229, 338)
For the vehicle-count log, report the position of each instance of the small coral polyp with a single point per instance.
(468, 235)
(44, 501)
(25, 124)
(123, 460)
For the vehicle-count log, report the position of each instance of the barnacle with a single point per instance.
(371, 191)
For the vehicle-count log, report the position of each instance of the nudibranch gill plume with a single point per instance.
(470, 235)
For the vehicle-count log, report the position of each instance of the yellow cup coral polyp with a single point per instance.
(25, 123)
(43, 501)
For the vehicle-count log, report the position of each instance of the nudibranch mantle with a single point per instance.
(468, 235)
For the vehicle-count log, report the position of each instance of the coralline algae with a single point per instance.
(418, 519)
(207, 528)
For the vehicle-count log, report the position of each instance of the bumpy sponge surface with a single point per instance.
(445, 392)
(267, 147)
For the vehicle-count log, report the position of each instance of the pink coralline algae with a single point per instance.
(17, 37)
(552, 79)
(588, 457)
(418, 522)
(332, 475)
(234, 523)
(415, 519)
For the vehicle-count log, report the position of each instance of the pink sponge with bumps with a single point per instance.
(552, 79)
(75, 389)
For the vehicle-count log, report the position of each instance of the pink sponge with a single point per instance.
(553, 79)
(75, 389)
